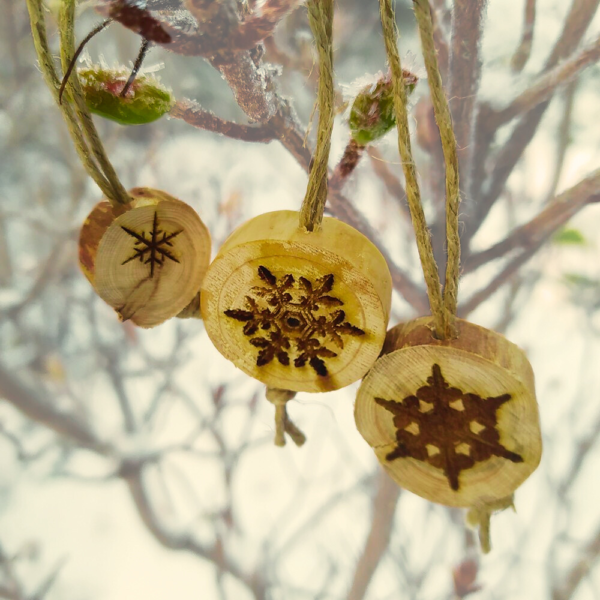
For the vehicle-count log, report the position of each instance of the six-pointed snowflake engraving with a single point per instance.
(294, 321)
(447, 428)
(152, 250)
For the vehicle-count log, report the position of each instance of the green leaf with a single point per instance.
(146, 101)
(569, 237)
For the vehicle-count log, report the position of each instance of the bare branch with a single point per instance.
(258, 27)
(522, 53)
(392, 184)
(533, 234)
(40, 409)
(465, 75)
(576, 24)
(563, 141)
(183, 541)
(378, 538)
(192, 113)
(345, 167)
(590, 554)
(545, 86)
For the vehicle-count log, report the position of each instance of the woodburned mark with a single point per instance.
(152, 250)
(295, 321)
(447, 428)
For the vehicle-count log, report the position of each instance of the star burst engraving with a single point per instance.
(152, 250)
(296, 322)
(447, 428)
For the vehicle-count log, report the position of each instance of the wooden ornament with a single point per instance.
(146, 258)
(298, 310)
(453, 421)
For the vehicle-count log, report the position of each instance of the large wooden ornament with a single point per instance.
(298, 310)
(147, 258)
(454, 421)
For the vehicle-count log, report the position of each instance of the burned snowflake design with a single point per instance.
(447, 428)
(294, 321)
(152, 250)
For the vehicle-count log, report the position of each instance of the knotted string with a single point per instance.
(283, 423)
(443, 307)
(320, 17)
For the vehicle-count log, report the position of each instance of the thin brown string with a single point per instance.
(86, 149)
(422, 233)
(444, 123)
(320, 16)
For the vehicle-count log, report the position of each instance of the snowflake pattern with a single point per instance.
(447, 428)
(152, 250)
(296, 322)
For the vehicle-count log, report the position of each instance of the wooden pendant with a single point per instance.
(147, 258)
(454, 421)
(298, 310)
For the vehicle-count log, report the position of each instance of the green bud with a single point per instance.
(372, 114)
(146, 100)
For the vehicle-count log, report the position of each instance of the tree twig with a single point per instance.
(547, 84)
(193, 114)
(542, 226)
(465, 75)
(575, 26)
(378, 538)
(523, 51)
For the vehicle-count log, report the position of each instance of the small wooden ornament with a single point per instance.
(147, 258)
(453, 421)
(298, 310)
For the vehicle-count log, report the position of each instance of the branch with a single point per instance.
(522, 53)
(346, 165)
(193, 114)
(258, 27)
(531, 237)
(40, 409)
(392, 183)
(582, 568)
(465, 75)
(541, 227)
(576, 24)
(563, 139)
(220, 29)
(183, 541)
(378, 539)
(545, 86)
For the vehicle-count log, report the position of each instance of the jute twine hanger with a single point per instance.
(443, 303)
(82, 130)
(320, 18)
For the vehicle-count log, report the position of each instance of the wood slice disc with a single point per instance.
(146, 259)
(456, 421)
(298, 310)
